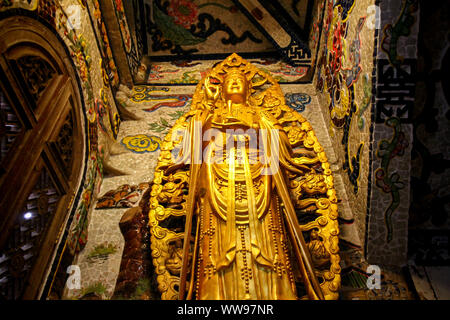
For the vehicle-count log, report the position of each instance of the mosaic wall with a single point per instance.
(343, 81)
(191, 72)
(387, 232)
(89, 49)
(135, 15)
(185, 27)
(126, 34)
(317, 16)
(285, 34)
(156, 108)
(109, 68)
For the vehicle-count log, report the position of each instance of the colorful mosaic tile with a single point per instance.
(125, 196)
(141, 143)
(298, 101)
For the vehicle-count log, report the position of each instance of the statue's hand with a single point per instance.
(212, 91)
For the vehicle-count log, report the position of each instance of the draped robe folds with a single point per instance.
(242, 249)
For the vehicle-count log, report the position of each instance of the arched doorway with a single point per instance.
(42, 147)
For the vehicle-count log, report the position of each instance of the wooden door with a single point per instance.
(41, 148)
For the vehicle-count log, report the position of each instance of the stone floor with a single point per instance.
(431, 283)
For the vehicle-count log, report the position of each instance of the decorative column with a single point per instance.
(124, 50)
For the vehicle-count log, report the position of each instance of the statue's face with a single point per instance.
(235, 88)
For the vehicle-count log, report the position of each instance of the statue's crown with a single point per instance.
(257, 81)
(232, 72)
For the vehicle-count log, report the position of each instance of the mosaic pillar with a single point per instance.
(394, 89)
(124, 50)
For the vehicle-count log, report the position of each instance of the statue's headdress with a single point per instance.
(259, 82)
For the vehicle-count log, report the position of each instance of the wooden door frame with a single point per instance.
(24, 32)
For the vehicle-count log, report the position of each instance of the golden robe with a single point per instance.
(241, 231)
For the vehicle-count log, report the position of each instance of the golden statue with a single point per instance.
(243, 204)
